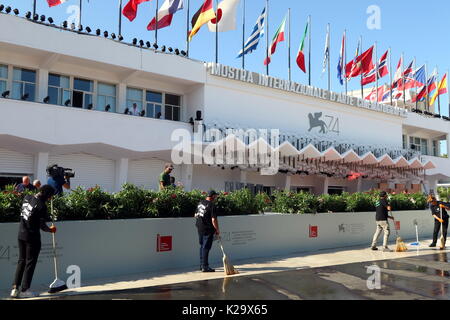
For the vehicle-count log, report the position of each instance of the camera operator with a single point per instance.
(58, 178)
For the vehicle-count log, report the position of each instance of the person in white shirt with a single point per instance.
(134, 111)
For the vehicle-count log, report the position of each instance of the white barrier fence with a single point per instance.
(120, 247)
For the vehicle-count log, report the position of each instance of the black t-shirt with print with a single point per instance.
(32, 219)
(382, 210)
(435, 210)
(203, 216)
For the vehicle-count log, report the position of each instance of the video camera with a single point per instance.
(56, 171)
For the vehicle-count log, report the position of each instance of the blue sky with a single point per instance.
(417, 29)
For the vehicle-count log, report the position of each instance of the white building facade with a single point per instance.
(65, 95)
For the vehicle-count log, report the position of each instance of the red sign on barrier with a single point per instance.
(397, 225)
(163, 243)
(313, 231)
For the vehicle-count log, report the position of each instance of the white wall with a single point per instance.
(145, 173)
(120, 247)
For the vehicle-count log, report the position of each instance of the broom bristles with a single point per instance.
(228, 267)
(401, 247)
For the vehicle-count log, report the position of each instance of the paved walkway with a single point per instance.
(293, 262)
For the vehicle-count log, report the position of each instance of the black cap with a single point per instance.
(212, 193)
(383, 194)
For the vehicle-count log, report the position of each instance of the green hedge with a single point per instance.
(133, 202)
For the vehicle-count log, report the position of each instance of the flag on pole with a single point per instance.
(349, 66)
(363, 64)
(341, 63)
(257, 33)
(226, 16)
(277, 38)
(52, 3)
(373, 94)
(441, 89)
(371, 76)
(202, 16)
(431, 85)
(301, 53)
(326, 54)
(165, 14)
(130, 10)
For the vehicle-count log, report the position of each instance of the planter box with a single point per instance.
(120, 247)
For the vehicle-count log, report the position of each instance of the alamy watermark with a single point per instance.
(374, 19)
(374, 280)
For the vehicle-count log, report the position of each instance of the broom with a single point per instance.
(442, 239)
(400, 245)
(57, 285)
(227, 266)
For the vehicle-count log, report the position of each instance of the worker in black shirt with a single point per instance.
(436, 207)
(382, 216)
(32, 220)
(207, 226)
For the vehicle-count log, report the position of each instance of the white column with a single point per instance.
(287, 183)
(121, 97)
(359, 185)
(187, 172)
(326, 183)
(121, 173)
(40, 167)
(42, 85)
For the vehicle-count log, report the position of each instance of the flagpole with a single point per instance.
(361, 52)
(426, 89)
(156, 20)
(437, 88)
(187, 28)
(267, 36)
(243, 36)
(329, 54)
(309, 62)
(376, 70)
(390, 74)
(217, 32)
(289, 45)
(404, 83)
(81, 2)
(415, 89)
(34, 8)
(345, 62)
(120, 17)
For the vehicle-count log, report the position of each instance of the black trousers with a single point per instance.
(28, 258)
(437, 229)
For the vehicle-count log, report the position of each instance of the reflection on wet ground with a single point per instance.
(415, 278)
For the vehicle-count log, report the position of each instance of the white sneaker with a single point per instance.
(27, 294)
(14, 293)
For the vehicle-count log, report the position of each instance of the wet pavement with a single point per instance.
(424, 277)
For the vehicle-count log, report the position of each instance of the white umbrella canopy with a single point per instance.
(401, 162)
(429, 165)
(310, 152)
(286, 149)
(351, 156)
(385, 160)
(369, 158)
(331, 154)
(415, 163)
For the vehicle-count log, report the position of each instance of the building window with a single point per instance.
(172, 107)
(82, 93)
(419, 144)
(134, 96)
(436, 148)
(336, 190)
(58, 89)
(154, 102)
(24, 84)
(405, 142)
(106, 97)
(3, 78)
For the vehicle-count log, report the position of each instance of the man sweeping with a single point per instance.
(382, 216)
(440, 220)
(207, 226)
(32, 220)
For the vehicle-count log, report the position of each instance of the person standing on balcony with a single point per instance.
(382, 215)
(164, 178)
(134, 111)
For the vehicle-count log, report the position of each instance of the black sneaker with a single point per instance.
(433, 245)
(208, 270)
(374, 248)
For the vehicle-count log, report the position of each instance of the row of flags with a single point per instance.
(362, 65)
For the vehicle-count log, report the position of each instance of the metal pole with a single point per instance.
(267, 36)
(404, 84)
(81, 2)
(289, 45)
(156, 26)
(415, 89)
(243, 36)
(329, 54)
(34, 8)
(309, 62)
(345, 62)
(376, 70)
(187, 28)
(120, 17)
(427, 102)
(217, 32)
(437, 89)
(360, 53)
(390, 74)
